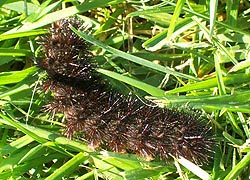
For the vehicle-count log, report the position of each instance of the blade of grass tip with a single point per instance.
(234, 173)
(194, 169)
(87, 175)
(178, 167)
(132, 58)
(244, 124)
(43, 9)
(68, 167)
(213, 11)
(224, 50)
(241, 65)
(237, 142)
(177, 12)
(246, 146)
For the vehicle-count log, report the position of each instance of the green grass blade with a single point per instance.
(143, 86)
(196, 51)
(88, 175)
(207, 18)
(224, 50)
(45, 136)
(23, 34)
(22, 128)
(245, 126)
(238, 168)
(13, 91)
(32, 152)
(10, 162)
(44, 9)
(141, 173)
(177, 12)
(106, 169)
(14, 52)
(221, 86)
(213, 10)
(15, 145)
(194, 168)
(16, 76)
(124, 162)
(19, 6)
(233, 79)
(132, 58)
(68, 167)
(232, 12)
(240, 66)
(57, 15)
(236, 102)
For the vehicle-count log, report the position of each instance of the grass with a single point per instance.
(174, 52)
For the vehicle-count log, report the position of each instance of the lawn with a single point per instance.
(192, 55)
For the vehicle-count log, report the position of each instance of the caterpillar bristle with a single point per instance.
(66, 55)
(109, 119)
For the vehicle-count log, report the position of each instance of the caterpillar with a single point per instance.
(109, 119)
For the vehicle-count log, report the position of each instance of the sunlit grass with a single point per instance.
(177, 53)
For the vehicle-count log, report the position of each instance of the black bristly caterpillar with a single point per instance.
(109, 119)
